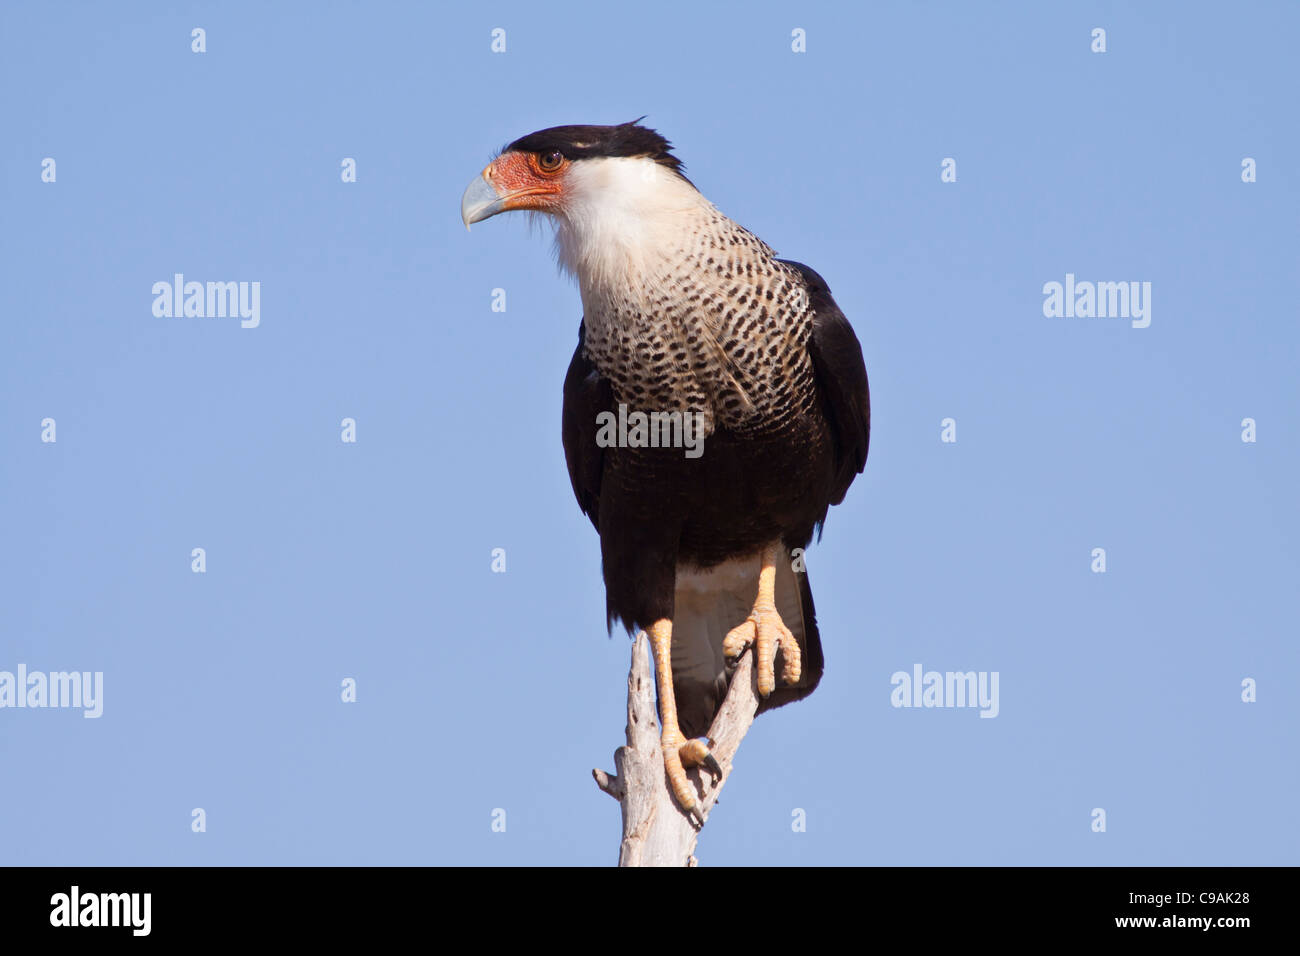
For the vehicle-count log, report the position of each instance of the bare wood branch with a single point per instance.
(655, 830)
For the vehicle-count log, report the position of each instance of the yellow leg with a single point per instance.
(679, 753)
(766, 631)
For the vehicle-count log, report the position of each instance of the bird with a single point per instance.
(758, 388)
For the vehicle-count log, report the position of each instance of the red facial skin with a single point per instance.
(523, 183)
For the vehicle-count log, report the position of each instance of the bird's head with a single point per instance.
(616, 194)
(565, 171)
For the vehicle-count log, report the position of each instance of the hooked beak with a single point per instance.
(481, 200)
(510, 182)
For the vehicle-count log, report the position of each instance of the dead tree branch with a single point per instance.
(655, 830)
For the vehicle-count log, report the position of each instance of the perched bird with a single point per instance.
(692, 322)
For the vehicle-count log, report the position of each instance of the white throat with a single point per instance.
(625, 219)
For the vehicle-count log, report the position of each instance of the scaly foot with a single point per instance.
(679, 754)
(767, 632)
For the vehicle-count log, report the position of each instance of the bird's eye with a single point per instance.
(551, 161)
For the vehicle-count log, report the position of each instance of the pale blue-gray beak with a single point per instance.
(481, 201)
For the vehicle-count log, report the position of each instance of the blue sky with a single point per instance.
(372, 560)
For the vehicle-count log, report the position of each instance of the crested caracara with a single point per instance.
(692, 322)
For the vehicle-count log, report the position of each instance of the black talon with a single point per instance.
(710, 763)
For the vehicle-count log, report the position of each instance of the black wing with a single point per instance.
(586, 395)
(842, 379)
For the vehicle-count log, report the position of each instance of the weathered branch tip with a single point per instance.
(656, 832)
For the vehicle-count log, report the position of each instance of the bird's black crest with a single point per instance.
(585, 142)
